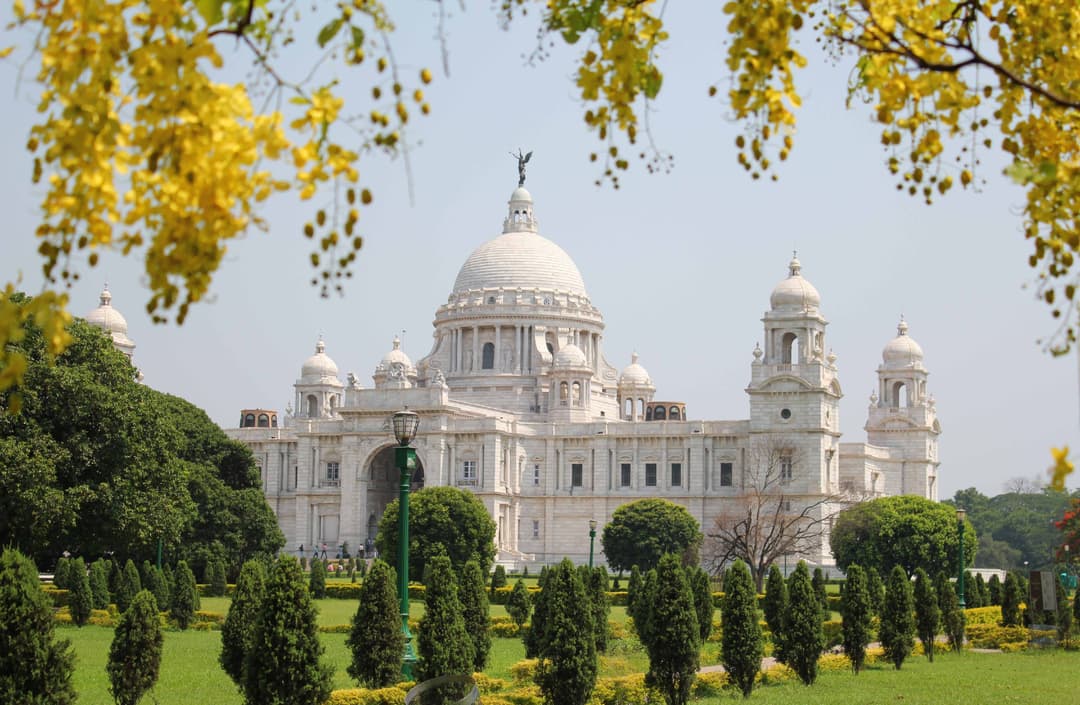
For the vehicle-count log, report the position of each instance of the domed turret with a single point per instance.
(902, 351)
(570, 356)
(395, 369)
(634, 373)
(319, 367)
(795, 293)
(636, 390)
(112, 322)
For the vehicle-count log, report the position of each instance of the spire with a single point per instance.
(320, 346)
(902, 327)
(794, 267)
(106, 297)
(397, 343)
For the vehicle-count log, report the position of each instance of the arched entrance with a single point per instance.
(383, 481)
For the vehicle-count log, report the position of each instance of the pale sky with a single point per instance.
(680, 265)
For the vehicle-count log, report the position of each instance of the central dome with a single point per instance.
(520, 258)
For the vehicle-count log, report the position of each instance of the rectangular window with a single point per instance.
(468, 472)
(785, 467)
(676, 474)
(624, 475)
(576, 475)
(536, 529)
(333, 474)
(536, 474)
(650, 474)
(726, 479)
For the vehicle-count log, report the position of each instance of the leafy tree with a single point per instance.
(675, 641)
(642, 531)
(803, 638)
(376, 640)
(856, 616)
(128, 586)
(238, 630)
(703, 602)
(185, 597)
(897, 631)
(927, 612)
(99, 583)
(135, 654)
(442, 520)
(444, 644)
(567, 669)
(535, 635)
(993, 585)
(596, 589)
(155, 583)
(822, 595)
(1064, 612)
(876, 589)
(498, 578)
(634, 587)
(35, 667)
(905, 530)
(518, 605)
(953, 619)
(317, 579)
(979, 587)
(80, 597)
(475, 611)
(216, 579)
(62, 573)
(774, 606)
(1011, 597)
(285, 663)
(741, 648)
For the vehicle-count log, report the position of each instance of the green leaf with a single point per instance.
(211, 10)
(357, 37)
(328, 32)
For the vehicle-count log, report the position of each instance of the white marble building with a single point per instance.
(520, 405)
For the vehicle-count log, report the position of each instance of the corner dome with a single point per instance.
(570, 355)
(319, 368)
(795, 293)
(396, 355)
(902, 351)
(635, 374)
(106, 317)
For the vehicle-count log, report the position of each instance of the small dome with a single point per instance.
(570, 355)
(396, 355)
(106, 317)
(902, 351)
(635, 374)
(319, 367)
(520, 194)
(795, 293)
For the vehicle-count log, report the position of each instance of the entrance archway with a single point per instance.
(383, 480)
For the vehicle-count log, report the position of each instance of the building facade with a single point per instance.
(520, 406)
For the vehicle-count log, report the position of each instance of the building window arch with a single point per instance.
(660, 413)
(312, 406)
(628, 408)
(789, 348)
(648, 414)
(674, 414)
(264, 421)
(249, 420)
(488, 358)
(564, 392)
(900, 394)
(577, 393)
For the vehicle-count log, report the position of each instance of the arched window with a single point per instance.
(564, 392)
(249, 421)
(577, 393)
(648, 414)
(333, 401)
(789, 348)
(273, 421)
(674, 414)
(312, 406)
(660, 413)
(488, 361)
(491, 299)
(264, 421)
(628, 408)
(900, 395)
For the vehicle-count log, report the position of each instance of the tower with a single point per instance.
(636, 389)
(318, 391)
(903, 418)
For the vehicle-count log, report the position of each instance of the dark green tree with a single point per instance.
(875, 587)
(642, 531)
(982, 590)
(972, 596)
(674, 645)
(1011, 597)
(80, 596)
(475, 611)
(822, 595)
(155, 583)
(376, 640)
(128, 586)
(803, 638)
(498, 578)
(567, 669)
(62, 573)
(601, 607)
(742, 647)
(185, 597)
(534, 636)
(285, 664)
(238, 630)
(1064, 615)
(442, 520)
(905, 530)
(953, 619)
(897, 631)
(703, 601)
(634, 587)
(774, 605)
(135, 654)
(35, 667)
(927, 612)
(518, 605)
(99, 583)
(994, 586)
(444, 645)
(856, 616)
(317, 579)
(216, 578)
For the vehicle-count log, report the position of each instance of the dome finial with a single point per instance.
(794, 267)
(320, 345)
(106, 297)
(902, 327)
(397, 342)
(633, 358)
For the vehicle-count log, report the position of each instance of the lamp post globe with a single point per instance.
(405, 424)
(592, 540)
(960, 515)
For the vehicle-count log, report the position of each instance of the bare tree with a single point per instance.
(1024, 485)
(767, 520)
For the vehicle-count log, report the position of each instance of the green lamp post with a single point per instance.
(592, 539)
(960, 514)
(405, 425)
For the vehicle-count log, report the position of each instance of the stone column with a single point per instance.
(497, 361)
(475, 348)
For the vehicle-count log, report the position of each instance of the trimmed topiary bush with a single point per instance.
(897, 631)
(135, 654)
(238, 629)
(375, 639)
(742, 644)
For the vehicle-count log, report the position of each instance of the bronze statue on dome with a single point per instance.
(522, 161)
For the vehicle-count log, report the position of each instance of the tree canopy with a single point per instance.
(907, 531)
(97, 463)
(641, 532)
